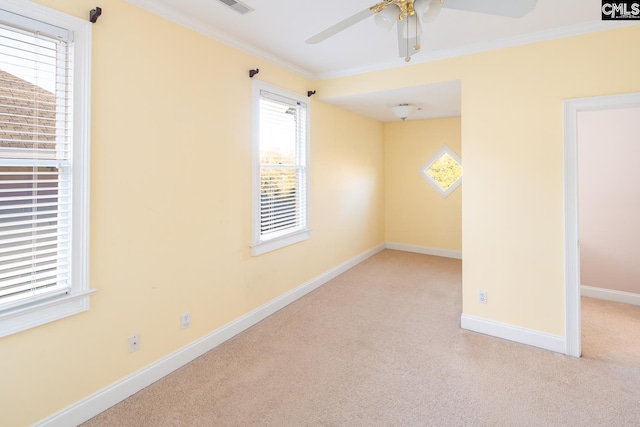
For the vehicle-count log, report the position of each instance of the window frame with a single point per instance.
(29, 315)
(445, 149)
(259, 244)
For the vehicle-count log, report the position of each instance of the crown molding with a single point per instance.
(539, 36)
(211, 32)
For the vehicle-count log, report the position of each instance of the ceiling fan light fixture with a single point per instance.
(386, 12)
(432, 11)
(421, 6)
(402, 111)
(387, 17)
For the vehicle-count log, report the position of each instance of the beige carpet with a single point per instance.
(381, 345)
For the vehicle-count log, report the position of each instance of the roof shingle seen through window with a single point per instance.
(27, 114)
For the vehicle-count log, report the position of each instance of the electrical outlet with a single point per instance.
(134, 343)
(482, 297)
(186, 320)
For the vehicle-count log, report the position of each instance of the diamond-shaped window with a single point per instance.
(443, 171)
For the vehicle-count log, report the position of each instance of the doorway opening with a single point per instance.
(572, 231)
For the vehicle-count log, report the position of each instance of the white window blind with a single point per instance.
(35, 161)
(283, 168)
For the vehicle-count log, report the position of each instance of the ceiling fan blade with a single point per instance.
(406, 46)
(342, 25)
(509, 8)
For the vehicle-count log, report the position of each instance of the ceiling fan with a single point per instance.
(409, 13)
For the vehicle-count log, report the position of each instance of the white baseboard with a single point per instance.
(514, 333)
(424, 250)
(610, 295)
(100, 401)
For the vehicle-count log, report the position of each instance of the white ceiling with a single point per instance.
(276, 30)
(435, 101)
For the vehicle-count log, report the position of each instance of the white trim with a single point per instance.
(513, 333)
(36, 25)
(280, 242)
(82, 84)
(56, 308)
(571, 225)
(98, 402)
(259, 246)
(610, 295)
(29, 316)
(428, 56)
(422, 171)
(446, 253)
(211, 32)
(46, 14)
(571, 239)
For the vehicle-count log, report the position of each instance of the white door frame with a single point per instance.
(571, 226)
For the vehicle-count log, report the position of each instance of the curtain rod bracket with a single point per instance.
(253, 72)
(311, 92)
(94, 14)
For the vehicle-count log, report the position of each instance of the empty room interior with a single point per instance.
(449, 224)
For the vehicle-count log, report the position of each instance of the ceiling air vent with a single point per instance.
(237, 6)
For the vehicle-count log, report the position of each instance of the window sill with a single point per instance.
(279, 242)
(26, 317)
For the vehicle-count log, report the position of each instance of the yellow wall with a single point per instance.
(170, 192)
(171, 208)
(416, 214)
(512, 144)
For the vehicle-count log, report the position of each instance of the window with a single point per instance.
(44, 148)
(443, 171)
(280, 174)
